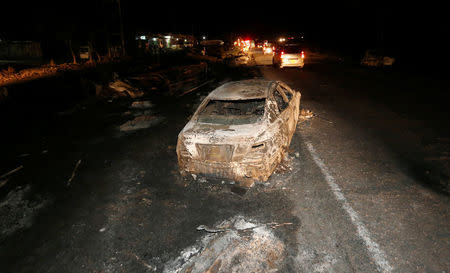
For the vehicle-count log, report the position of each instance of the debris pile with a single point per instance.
(235, 245)
(242, 60)
(372, 58)
(140, 122)
(145, 104)
(285, 164)
(143, 117)
(17, 210)
(175, 80)
(122, 89)
(305, 114)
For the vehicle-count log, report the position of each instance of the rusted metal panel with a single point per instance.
(231, 136)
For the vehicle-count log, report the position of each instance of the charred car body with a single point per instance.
(376, 58)
(240, 131)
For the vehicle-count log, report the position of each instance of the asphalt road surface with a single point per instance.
(364, 187)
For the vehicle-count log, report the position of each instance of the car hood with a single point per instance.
(206, 133)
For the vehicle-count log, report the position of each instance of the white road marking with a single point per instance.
(377, 254)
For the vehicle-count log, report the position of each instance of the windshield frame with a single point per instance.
(260, 118)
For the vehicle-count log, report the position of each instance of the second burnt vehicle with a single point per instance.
(240, 131)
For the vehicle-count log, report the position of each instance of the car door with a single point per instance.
(285, 112)
(294, 107)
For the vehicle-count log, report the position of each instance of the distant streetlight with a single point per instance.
(204, 37)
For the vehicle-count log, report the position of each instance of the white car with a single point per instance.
(240, 131)
(289, 56)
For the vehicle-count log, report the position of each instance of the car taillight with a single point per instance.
(303, 54)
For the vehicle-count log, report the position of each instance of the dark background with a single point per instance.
(413, 32)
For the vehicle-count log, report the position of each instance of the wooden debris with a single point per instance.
(11, 172)
(73, 172)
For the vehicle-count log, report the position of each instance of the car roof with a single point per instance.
(242, 90)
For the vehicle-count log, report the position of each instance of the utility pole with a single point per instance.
(121, 29)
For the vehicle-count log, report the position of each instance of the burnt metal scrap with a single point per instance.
(372, 58)
(241, 131)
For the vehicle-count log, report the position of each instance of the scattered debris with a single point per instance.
(147, 201)
(11, 172)
(123, 87)
(194, 176)
(241, 60)
(3, 182)
(285, 165)
(175, 79)
(305, 114)
(222, 248)
(140, 122)
(18, 209)
(102, 229)
(142, 113)
(141, 104)
(202, 180)
(144, 263)
(195, 88)
(374, 58)
(272, 225)
(73, 172)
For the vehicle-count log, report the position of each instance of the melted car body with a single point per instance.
(240, 131)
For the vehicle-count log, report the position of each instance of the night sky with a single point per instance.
(346, 25)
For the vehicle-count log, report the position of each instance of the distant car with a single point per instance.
(289, 56)
(240, 131)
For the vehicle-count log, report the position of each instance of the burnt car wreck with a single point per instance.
(240, 131)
